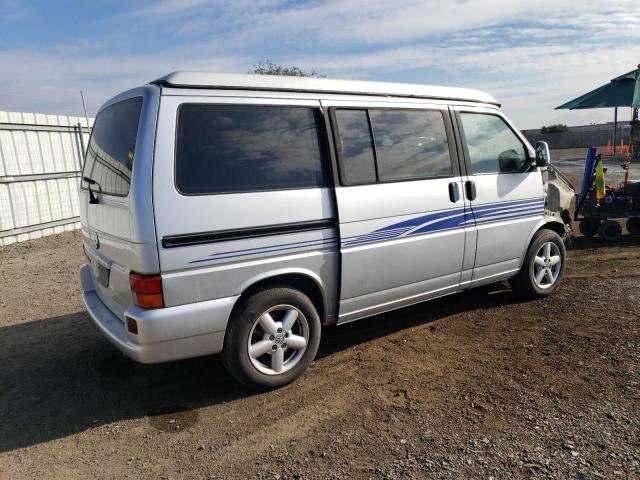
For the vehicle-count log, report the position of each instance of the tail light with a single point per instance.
(147, 290)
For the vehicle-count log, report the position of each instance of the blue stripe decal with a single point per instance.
(450, 219)
(509, 217)
(434, 222)
(269, 249)
(497, 214)
(294, 245)
(379, 233)
(511, 203)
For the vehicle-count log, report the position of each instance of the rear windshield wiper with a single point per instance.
(92, 196)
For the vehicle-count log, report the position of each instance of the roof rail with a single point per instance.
(232, 81)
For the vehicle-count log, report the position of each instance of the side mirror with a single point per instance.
(543, 156)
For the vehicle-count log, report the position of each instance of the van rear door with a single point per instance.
(115, 196)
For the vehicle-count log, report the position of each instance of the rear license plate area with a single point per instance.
(102, 275)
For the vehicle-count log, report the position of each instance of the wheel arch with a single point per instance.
(303, 280)
(554, 225)
(545, 224)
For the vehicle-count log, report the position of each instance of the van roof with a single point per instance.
(233, 81)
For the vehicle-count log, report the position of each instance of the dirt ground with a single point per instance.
(475, 385)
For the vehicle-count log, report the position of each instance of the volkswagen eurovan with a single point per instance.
(237, 214)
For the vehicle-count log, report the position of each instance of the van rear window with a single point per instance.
(242, 148)
(112, 147)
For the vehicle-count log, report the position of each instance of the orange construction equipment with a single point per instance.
(622, 146)
(609, 150)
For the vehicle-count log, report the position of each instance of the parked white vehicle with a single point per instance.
(236, 214)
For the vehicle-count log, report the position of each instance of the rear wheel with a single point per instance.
(543, 266)
(610, 231)
(272, 338)
(633, 225)
(588, 226)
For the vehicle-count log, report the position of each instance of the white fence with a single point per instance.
(40, 162)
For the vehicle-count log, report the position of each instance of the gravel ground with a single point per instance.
(475, 385)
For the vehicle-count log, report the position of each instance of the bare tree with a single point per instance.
(270, 68)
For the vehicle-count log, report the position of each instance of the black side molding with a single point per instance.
(200, 238)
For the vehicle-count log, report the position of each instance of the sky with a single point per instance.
(530, 55)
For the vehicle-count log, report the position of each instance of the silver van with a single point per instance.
(237, 214)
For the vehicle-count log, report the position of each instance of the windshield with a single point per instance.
(112, 147)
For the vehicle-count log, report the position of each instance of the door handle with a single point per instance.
(454, 194)
(470, 187)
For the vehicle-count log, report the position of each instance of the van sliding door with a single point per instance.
(400, 205)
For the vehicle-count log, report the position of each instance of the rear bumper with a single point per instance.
(164, 334)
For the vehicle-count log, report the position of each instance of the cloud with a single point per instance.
(552, 69)
(169, 7)
(50, 82)
(362, 22)
(530, 55)
(77, 46)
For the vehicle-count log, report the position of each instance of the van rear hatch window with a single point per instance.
(243, 148)
(112, 147)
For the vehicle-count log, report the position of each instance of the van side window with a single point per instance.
(410, 144)
(387, 145)
(492, 145)
(355, 147)
(242, 148)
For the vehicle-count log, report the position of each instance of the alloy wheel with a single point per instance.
(278, 339)
(547, 265)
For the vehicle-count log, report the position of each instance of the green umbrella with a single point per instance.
(622, 91)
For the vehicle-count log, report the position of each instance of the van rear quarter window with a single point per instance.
(112, 147)
(242, 148)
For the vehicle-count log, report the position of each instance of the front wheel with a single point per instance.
(272, 337)
(543, 266)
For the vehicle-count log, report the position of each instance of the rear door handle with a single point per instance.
(454, 193)
(470, 188)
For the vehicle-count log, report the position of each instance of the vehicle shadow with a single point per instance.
(586, 243)
(59, 376)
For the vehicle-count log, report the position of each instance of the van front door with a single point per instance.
(400, 205)
(505, 192)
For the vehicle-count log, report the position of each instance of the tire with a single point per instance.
(633, 225)
(610, 231)
(588, 226)
(545, 248)
(256, 326)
